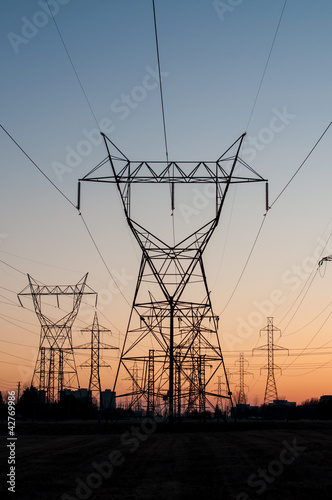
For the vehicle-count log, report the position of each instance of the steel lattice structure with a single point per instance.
(271, 393)
(171, 337)
(242, 363)
(55, 368)
(95, 362)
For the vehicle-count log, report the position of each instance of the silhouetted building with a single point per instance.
(282, 402)
(108, 399)
(80, 394)
(325, 399)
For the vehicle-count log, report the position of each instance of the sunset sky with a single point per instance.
(213, 59)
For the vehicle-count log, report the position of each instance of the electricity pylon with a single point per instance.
(271, 393)
(55, 368)
(171, 311)
(95, 362)
(242, 363)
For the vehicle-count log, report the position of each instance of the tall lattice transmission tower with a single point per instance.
(271, 393)
(95, 362)
(242, 365)
(55, 368)
(172, 332)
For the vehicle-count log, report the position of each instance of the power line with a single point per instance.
(309, 342)
(19, 320)
(72, 204)
(17, 343)
(160, 84)
(265, 215)
(305, 326)
(245, 265)
(250, 116)
(8, 363)
(15, 268)
(163, 118)
(38, 262)
(102, 258)
(19, 326)
(297, 171)
(301, 301)
(14, 356)
(314, 274)
(266, 65)
(311, 371)
(72, 65)
(8, 303)
(12, 302)
(38, 168)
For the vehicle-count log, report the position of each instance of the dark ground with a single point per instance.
(212, 461)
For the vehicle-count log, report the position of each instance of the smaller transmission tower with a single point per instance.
(95, 361)
(243, 364)
(55, 368)
(271, 393)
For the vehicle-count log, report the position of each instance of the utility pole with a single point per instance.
(271, 393)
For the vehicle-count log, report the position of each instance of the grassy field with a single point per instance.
(140, 460)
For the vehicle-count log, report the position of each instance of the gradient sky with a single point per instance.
(213, 63)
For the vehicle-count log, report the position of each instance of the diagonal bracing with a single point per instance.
(55, 368)
(171, 350)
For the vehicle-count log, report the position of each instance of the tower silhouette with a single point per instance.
(242, 363)
(95, 362)
(55, 367)
(271, 393)
(172, 332)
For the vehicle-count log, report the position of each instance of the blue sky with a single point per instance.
(213, 62)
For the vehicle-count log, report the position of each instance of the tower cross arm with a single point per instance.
(328, 258)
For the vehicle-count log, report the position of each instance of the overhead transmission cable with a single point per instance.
(291, 179)
(94, 116)
(250, 116)
(245, 265)
(310, 341)
(160, 83)
(35, 164)
(266, 65)
(303, 290)
(12, 267)
(268, 208)
(102, 258)
(18, 270)
(305, 159)
(163, 118)
(73, 66)
(311, 371)
(305, 326)
(73, 205)
(41, 263)
(18, 326)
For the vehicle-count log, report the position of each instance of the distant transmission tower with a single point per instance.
(271, 393)
(242, 363)
(172, 332)
(95, 361)
(55, 368)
